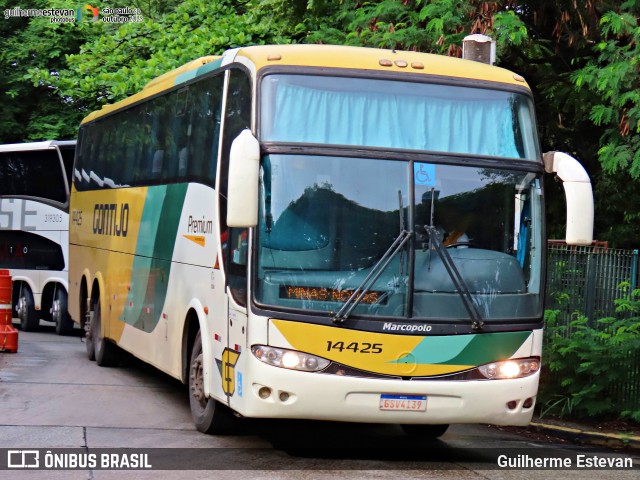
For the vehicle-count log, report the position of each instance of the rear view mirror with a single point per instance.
(578, 193)
(244, 172)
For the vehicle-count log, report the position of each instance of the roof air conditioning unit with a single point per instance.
(480, 48)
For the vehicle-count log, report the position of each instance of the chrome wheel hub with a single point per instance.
(197, 381)
(55, 311)
(21, 307)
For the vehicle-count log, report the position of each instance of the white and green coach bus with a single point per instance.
(34, 229)
(323, 232)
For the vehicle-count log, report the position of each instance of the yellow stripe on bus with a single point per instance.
(384, 353)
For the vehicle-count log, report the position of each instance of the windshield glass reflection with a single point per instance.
(327, 222)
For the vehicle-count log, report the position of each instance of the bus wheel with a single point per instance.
(106, 352)
(425, 431)
(59, 313)
(29, 321)
(209, 415)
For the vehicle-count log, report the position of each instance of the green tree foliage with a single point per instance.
(35, 112)
(586, 364)
(33, 60)
(111, 67)
(421, 25)
(612, 75)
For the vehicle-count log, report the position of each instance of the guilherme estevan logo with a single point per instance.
(88, 14)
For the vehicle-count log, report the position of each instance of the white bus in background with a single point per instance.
(34, 229)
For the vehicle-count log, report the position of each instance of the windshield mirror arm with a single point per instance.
(476, 319)
(362, 289)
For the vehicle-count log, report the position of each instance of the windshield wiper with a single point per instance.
(359, 293)
(461, 287)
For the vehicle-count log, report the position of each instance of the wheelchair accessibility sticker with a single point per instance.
(424, 174)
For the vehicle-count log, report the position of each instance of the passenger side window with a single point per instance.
(168, 139)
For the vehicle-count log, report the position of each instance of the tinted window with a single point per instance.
(28, 251)
(35, 173)
(168, 139)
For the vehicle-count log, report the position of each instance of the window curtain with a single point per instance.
(308, 115)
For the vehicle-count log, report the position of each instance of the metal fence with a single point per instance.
(586, 281)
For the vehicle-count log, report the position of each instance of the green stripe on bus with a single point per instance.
(191, 74)
(209, 67)
(152, 263)
(185, 77)
(475, 349)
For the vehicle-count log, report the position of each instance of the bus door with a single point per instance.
(236, 284)
(234, 248)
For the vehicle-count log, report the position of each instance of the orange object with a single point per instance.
(8, 334)
(5, 314)
(5, 287)
(5, 298)
(8, 339)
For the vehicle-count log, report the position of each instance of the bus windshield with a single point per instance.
(325, 222)
(397, 114)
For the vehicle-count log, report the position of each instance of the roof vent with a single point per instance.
(480, 48)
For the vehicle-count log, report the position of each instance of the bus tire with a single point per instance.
(426, 432)
(60, 313)
(209, 415)
(29, 320)
(106, 352)
(88, 336)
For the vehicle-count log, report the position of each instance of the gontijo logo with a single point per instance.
(89, 13)
(111, 219)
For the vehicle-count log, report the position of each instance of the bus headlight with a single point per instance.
(516, 368)
(291, 359)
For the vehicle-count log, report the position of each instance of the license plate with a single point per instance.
(404, 403)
